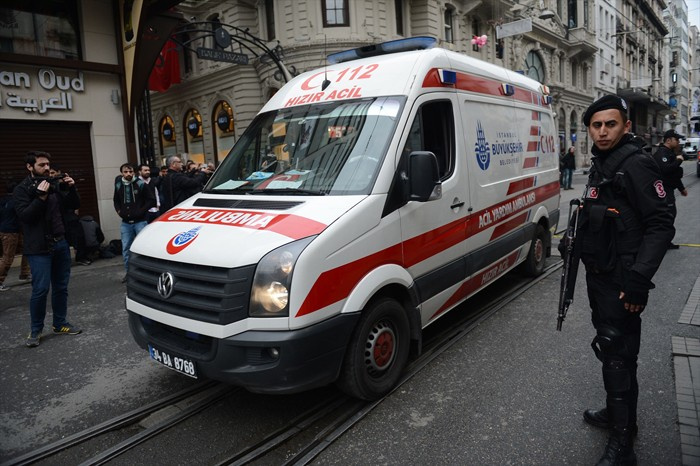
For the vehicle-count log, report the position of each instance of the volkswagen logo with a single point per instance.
(165, 285)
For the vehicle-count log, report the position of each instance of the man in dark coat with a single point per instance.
(177, 186)
(669, 162)
(42, 204)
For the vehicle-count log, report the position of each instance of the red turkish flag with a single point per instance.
(166, 70)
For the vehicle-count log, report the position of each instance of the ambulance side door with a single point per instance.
(433, 232)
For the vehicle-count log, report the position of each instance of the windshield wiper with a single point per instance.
(272, 191)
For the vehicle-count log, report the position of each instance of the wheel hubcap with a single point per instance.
(539, 250)
(380, 347)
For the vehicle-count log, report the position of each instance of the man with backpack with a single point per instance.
(132, 199)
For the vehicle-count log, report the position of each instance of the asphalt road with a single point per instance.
(512, 392)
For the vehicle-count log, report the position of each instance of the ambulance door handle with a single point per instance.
(457, 205)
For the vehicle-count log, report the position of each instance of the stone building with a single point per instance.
(203, 115)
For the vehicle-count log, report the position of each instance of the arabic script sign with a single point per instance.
(16, 90)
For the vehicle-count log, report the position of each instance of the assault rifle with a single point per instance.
(570, 268)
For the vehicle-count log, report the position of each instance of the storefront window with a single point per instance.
(194, 140)
(44, 29)
(224, 136)
(167, 137)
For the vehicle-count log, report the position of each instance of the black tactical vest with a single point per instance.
(609, 226)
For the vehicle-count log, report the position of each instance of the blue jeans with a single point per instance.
(128, 233)
(50, 271)
(568, 172)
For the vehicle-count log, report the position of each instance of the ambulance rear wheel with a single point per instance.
(377, 352)
(536, 257)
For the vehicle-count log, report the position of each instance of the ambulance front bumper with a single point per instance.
(261, 361)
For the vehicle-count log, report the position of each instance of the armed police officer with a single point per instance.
(669, 160)
(624, 230)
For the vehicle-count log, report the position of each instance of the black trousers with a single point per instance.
(619, 358)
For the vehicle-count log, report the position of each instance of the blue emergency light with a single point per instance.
(392, 46)
(448, 76)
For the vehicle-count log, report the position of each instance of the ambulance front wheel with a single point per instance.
(377, 352)
(536, 257)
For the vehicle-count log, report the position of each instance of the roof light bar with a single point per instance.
(392, 46)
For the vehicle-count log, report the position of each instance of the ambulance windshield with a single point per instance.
(335, 148)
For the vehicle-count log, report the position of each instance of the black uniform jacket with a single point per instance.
(35, 217)
(625, 209)
(671, 171)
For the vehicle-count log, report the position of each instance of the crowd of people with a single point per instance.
(40, 218)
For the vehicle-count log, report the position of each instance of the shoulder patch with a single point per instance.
(659, 186)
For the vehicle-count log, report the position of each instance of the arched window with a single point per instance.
(167, 136)
(534, 67)
(224, 135)
(194, 140)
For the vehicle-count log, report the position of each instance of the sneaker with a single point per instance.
(67, 329)
(673, 246)
(84, 262)
(33, 339)
(3, 287)
(25, 278)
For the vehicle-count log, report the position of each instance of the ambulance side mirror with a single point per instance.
(423, 177)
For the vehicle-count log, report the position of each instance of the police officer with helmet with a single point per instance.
(625, 226)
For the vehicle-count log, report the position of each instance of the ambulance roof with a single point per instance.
(392, 74)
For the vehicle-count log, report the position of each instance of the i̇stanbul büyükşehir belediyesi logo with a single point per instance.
(182, 240)
(481, 147)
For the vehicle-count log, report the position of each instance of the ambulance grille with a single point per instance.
(245, 204)
(216, 295)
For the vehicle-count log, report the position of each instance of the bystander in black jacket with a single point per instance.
(35, 214)
(177, 187)
(133, 199)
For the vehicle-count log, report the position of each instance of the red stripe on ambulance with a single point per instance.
(335, 285)
(477, 281)
(481, 85)
(521, 185)
(291, 226)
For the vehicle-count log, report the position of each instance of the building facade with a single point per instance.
(60, 92)
(202, 116)
(676, 16)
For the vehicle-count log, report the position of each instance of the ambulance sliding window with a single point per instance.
(433, 130)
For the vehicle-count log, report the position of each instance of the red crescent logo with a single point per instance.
(305, 85)
(180, 241)
(659, 186)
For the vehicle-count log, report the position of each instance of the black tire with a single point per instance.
(377, 352)
(537, 255)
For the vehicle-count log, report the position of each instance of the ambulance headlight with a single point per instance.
(273, 279)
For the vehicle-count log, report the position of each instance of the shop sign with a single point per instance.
(193, 127)
(222, 55)
(16, 90)
(167, 132)
(223, 121)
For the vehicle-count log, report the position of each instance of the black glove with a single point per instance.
(636, 289)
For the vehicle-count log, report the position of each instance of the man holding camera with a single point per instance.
(41, 203)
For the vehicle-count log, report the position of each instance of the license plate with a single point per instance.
(176, 363)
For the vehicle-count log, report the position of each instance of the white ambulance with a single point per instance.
(366, 200)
